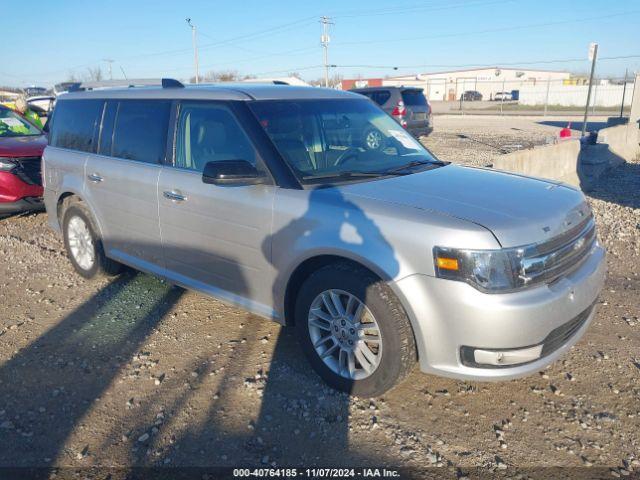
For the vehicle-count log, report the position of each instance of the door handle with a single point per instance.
(175, 196)
(95, 178)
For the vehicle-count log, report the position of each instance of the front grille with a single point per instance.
(563, 333)
(557, 257)
(29, 170)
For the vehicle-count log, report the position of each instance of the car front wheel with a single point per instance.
(354, 330)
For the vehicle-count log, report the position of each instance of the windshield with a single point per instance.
(321, 139)
(13, 125)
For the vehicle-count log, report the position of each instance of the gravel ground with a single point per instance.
(133, 371)
(476, 141)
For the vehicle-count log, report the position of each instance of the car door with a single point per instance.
(122, 179)
(216, 238)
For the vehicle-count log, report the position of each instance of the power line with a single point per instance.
(257, 34)
(287, 70)
(400, 10)
(484, 65)
(262, 33)
(491, 30)
(246, 60)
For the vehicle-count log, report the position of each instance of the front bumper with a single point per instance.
(13, 189)
(448, 315)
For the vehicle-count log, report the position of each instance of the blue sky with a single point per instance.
(150, 39)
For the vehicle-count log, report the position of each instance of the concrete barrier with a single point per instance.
(581, 164)
(623, 140)
(556, 162)
(573, 163)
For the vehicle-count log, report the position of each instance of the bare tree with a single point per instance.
(334, 81)
(71, 77)
(222, 76)
(94, 74)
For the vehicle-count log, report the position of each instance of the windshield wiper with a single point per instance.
(414, 163)
(381, 173)
(346, 174)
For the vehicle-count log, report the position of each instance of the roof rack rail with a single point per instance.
(171, 83)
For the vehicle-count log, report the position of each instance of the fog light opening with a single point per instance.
(479, 357)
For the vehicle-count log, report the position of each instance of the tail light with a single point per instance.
(399, 110)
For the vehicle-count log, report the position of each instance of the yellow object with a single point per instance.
(447, 263)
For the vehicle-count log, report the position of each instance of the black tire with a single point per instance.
(399, 353)
(102, 266)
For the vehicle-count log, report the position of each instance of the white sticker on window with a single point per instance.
(11, 122)
(404, 138)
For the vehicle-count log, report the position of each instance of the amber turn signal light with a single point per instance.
(447, 263)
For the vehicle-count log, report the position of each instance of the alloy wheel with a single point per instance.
(81, 243)
(345, 334)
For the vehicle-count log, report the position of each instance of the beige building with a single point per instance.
(488, 81)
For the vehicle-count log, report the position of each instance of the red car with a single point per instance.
(21, 147)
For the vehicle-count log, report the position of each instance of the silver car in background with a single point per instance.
(271, 198)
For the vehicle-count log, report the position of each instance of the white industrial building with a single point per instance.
(488, 81)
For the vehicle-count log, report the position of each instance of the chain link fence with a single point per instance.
(609, 96)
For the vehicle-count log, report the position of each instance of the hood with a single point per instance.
(31, 146)
(518, 210)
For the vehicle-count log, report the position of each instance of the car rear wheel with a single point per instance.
(354, 330)
(83, 245)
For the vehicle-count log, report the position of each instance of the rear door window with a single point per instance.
(75, 124)
(414, 98)
(140, 130)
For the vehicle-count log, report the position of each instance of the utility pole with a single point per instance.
(593, 55)
(324, 41)
(624, 91)
(502, 97)
(195, 48)
(546, 98)
(109, 62)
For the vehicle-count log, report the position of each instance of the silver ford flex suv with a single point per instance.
(380, 256)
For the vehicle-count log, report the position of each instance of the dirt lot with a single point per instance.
(134, 372)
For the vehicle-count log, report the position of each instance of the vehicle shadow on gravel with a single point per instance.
(51, 387)
(275, 413)
(300, 421)
(48, 387)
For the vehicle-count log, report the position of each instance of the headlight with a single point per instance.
(490, 271)
(6, 164)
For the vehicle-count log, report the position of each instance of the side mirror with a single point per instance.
(232, 172)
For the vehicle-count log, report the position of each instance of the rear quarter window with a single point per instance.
(140, 130)
(75, 124)
(381, 97)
